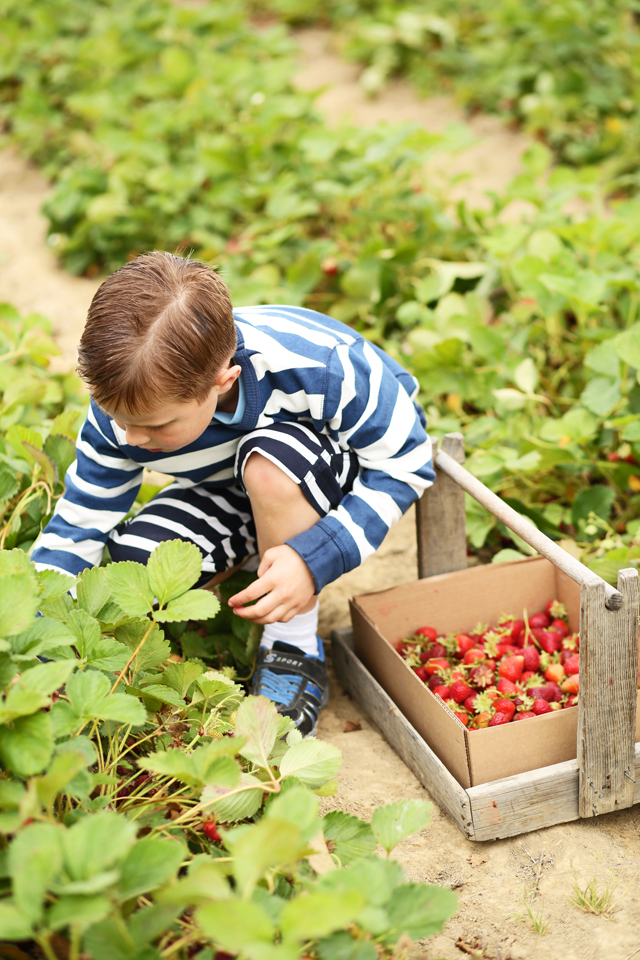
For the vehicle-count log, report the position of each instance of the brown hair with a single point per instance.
(159, 329)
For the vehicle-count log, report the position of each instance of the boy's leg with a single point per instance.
(293, 476)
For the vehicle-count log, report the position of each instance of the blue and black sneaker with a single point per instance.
(297, 683)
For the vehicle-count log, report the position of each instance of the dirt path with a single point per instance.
(489, 879)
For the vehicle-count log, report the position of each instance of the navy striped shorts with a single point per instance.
(218, 519)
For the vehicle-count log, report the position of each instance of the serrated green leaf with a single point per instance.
(193, 605)
(14, 925)
(204, 882)
(89, 699)
(180, 676)
(312, 761)
(270, 844)
(94, 590)
(94, 844)
(342, 946)
(35, 858)
(79, 911)
(155, 650)
(173, 567)
(205, 765)
(257, 721)
(597, 499)
(64, 768)
(151, 862)
(129, 584)
(54, 583)
(396, 821)
(419, 911)
(18, 603)
(319, 913)
(242, 802)
(43, 635)
(27, 746)
(235, 925)
(349, 837)
(159, 692)
(33, 689)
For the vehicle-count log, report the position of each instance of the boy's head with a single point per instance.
(159, 331)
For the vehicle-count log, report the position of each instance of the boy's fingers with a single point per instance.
(254, 591)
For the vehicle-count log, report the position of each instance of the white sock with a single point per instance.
(300, 632)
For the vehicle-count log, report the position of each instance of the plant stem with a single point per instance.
(133, 656)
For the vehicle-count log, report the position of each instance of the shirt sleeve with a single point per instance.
(100, 488)
(369, 410)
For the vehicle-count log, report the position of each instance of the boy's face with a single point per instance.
(171, 425)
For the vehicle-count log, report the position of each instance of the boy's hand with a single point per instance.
(284, 584)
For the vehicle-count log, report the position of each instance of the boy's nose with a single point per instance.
(136, 437)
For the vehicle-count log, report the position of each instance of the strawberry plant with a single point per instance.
(149, 809)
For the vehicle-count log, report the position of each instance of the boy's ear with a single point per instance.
(225, 380)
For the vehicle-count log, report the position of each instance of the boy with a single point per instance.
(287, 434)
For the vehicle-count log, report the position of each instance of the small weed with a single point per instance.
(597, 900)
(538, 923)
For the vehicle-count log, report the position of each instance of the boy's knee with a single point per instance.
(266, 479)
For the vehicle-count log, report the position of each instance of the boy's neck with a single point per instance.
(229, 402)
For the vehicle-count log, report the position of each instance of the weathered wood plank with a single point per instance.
(531, 801)
(607, 701)
(440, 519)
(408, 744)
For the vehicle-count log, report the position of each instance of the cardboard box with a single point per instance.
(456, 602)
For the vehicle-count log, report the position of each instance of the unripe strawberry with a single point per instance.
(571, 684)
(530, 659)
(330, 266)
(499, 718)
(504, 706)
(429, 632)
(541, 619)
(539, 707)
(555, 673)
(460, 691)
(523, 715)
(572, 665)
(482, 719)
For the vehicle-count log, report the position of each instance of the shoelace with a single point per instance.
(280, 687)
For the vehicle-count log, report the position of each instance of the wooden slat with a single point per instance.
(532, 801)
(607, 701)
(440, 519)
(408, 744)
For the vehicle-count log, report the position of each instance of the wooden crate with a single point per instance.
(606, 775)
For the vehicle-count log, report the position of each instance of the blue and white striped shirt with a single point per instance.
(297, 365)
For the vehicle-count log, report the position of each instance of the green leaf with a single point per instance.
(54, 584)
(297, 805)
(257, 721)
(310, 916)
(14, 925)
(159, 693)
(151, 862)
(103, 653)
(43, 635)
(419, 911)
(237, 806)
(26, 747)
(93, 590)
(396, 821)
(96, 843)
(155, 650)
(600, 396)
(348, 837)
(18, 603)
(204, 882)
(627, 346)
(78, 911)
(205, 765)
(235, 925)
(35, 858)
(598, 499)
(269, 844)
(526, 376)
(61, 451)
(312, 762)
(180, 676)
(129, 583)
(193, 605)
(342, 946)
(33, 689)
(89, 699)
(173, 567)
(64, 768)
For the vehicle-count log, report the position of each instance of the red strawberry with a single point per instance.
(442, 691)
(526, 676)
(541, 693)
(523, 715)
(507, 649)
(572, 665)
(530, 659)
(472, 655)
(504, 706)
(429, 632)
(539, 707)
(560, 627)
(506, 686)
(499, 718)
(421, 673)
(550, 641)
(464, 643)
(482, 676)
(210, 830)
(462, 717)
(435, 681)
(541, 619)
(556, 609)
(515, 628)
(436, 664)
(470, 702)
(511, 668)
(460, 691)
(521, 639)
(571, 702)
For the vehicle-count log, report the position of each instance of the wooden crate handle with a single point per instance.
(440, 517)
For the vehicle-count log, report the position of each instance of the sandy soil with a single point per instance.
(490, 879)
